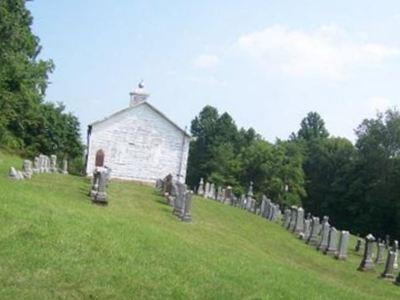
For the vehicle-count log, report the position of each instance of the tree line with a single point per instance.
(357, 185)
(28, 124)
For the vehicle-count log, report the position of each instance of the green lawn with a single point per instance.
(55, 244)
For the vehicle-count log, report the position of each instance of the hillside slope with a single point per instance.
(55, 244)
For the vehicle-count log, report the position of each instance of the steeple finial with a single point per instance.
(138, 95)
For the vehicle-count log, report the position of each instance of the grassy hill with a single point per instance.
(55, 244)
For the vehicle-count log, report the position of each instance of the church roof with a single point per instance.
(136, 105)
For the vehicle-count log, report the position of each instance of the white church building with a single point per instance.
(138, 143)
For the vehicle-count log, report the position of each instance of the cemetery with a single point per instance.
(105, 198)
(153, 242)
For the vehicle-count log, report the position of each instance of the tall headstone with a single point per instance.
(293, 217)
(179, 203)
(186, 215)
(380, 247)
(36, 165)
(101, 195)
(212, 191)
(388, 273)
(396, 254)
(286, 218)
(27, 169)
(367, 262)
(332, 242)
(307, 230)
(324, 236)
(315, 229)
(299, 225)
(343, 245)
(200, 190)
(53, 163)
(207, 190)
(65, 167)
(228, 195)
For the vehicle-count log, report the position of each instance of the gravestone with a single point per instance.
(27, 169)
(180, 191)
(95, 184)
(250, 191)
(332, 242)
(293, 217)
(299, 225)
(396, 254)
(36, 165)
(263, 204)
(207, 190)
(65, 167)
(286, 218)
(315, 229)
(228, 196)
(212, 191)
(343, 245)
(324, 235)
(388, 273)
(53, 164)
(200, 190)
(307, 230)
(159, 184)
(186, 216)
(101, 195)
(367, 262)
(380, 252)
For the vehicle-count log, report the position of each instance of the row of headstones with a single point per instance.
(321, 235)
(41, 164)
(178, 196)
(267, 209)
(324, 237)
(100, 178)
(368, 261)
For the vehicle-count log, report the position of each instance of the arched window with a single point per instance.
(100, 158)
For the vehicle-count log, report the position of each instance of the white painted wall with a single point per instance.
(139, 144)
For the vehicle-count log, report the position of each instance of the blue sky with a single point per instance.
(267, 63)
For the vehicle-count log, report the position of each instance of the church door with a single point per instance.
(100, 158)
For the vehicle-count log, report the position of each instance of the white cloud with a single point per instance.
(378, 104)
(206, 61)
(326, 51)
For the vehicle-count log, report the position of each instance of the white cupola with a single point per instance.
(138, 95)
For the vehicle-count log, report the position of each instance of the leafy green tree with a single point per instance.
(312, 127)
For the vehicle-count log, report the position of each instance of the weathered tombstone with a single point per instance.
(228, 196)
(299, 225)
(286, 218)
(200, 190)
(332, 242)
(277, 213)
(159, 184)
(293, 218)
(219, 194)
(95, 184)
(388, 273)
(13, 174)
(101, 195)
(65, 167)
(315, 229)
(307, 230)
(36, 166)
(324, 236)
(179, 203)
(207, 190)
(53, 164)
(250, 192)
(27, 169)
(358, 245)
(212, 191)
(343, 245)
(168, 181)
(387, 241)
(396, 253)
(367, 263)
(186, 216)
(263, 204)
(379, 259)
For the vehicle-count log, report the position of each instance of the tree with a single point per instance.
(312, 127)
